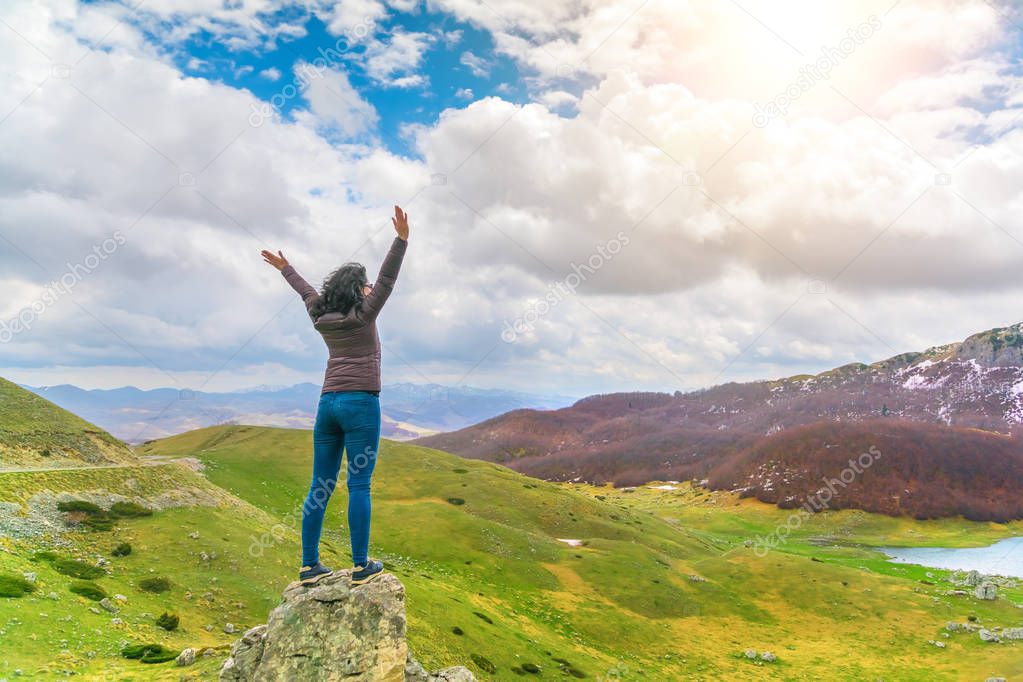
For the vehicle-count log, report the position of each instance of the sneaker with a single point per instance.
(363, 573)
(308, 575)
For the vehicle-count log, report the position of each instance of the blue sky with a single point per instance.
(446, 80)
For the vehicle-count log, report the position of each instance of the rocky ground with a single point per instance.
(334, 630)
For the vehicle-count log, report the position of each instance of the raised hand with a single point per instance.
(400, 222)
(278, 260)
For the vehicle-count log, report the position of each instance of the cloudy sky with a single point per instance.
(604, 195)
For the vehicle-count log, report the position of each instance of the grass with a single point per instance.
(14, 586)
(77, 569)
(622, 604)
(155, 585)
(35, 432)
(149, 653)
(88, 589)
(488, 582)
(168, 621)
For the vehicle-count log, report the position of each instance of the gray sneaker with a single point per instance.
(363, 573)
(308, 575)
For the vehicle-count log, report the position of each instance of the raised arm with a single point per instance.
(305, 290)
(389, 270)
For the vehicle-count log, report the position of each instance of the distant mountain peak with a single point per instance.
(994, 348)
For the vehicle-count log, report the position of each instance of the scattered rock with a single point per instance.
(108, 605)
(95, 610)
(1012, 633)
(120, 597)
(988, 636)
(194, 535)
(186, 657)
(333, 630)
(940, 645)
(750, 654)
(973, 578)
(208, 652)
(455, 673)
(30, 576)
(229, 628)
(39, 515)
(697, 579)
(53, 595)
(116, 621)
(986, 590)
(768, 657)
(414, 671)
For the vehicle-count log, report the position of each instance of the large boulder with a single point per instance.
(334, 630)
(986, 590)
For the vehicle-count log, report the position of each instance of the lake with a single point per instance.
(1005, 557)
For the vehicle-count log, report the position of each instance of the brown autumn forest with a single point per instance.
(947, 421)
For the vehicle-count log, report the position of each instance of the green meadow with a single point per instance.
(656, 585)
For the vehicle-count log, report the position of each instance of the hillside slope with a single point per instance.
(507, 574)
(36, 433)
(491, 578)
(883, 465)
(630, 438)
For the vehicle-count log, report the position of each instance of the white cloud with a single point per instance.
(270, 74)
(464, 93)
(451, 38)
(477, 65)
(728, 222)
(335, 103)
(355, 19)
(555, 99)
(395, 61)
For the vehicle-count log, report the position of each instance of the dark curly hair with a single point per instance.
(342, 290)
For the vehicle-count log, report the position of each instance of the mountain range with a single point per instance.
(962, 402)
(409, 410)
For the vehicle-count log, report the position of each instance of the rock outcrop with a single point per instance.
(986, 591)
(334, 630)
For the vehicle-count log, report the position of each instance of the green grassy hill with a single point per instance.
(36, 433)
(657, 585)
(197, 538)
(477, 546)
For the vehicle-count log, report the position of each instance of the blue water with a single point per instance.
(1005, 557)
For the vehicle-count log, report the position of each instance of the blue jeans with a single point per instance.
(344, 420)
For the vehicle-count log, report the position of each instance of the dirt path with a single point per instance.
(143, 462)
